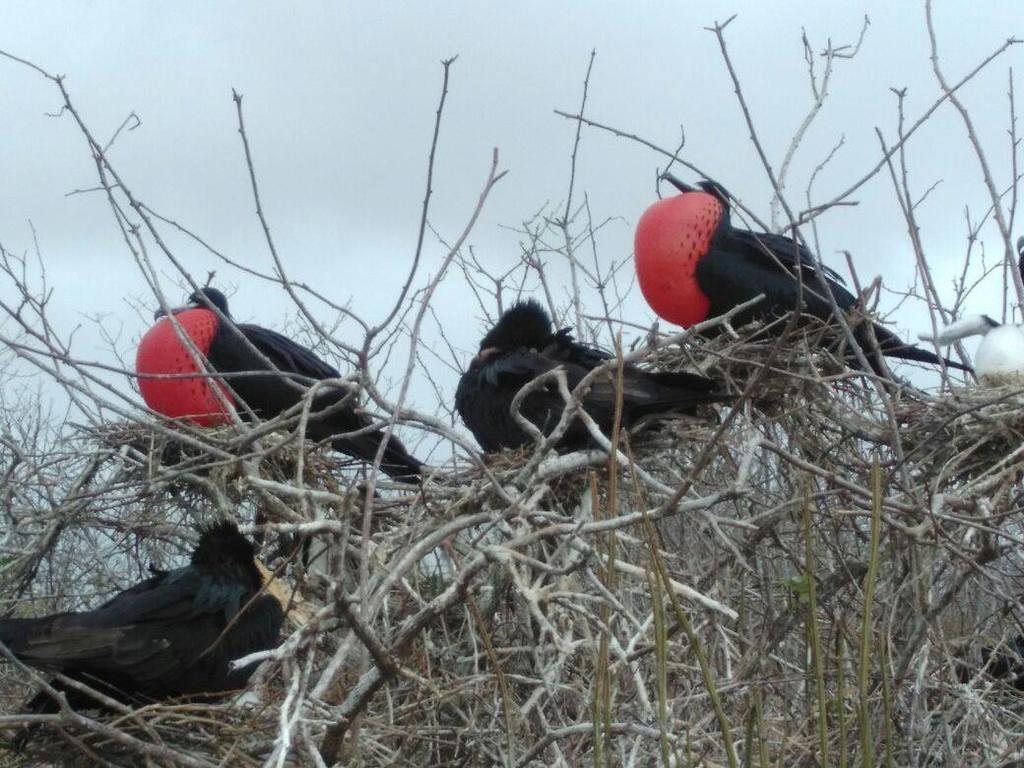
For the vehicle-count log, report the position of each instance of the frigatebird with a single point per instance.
(693, 264)
(522, 346)
(267, 371)
(172, 635)
(1002, 664)
(999, 358)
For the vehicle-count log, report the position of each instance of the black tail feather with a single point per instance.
(687, 383)
(334, 420)
(397, 462)
(666, 390)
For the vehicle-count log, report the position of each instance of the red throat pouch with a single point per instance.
(162, 352)
(671, 237)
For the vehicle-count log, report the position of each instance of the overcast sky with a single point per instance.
(339, 101)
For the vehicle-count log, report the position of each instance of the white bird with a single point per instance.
(1000, 356)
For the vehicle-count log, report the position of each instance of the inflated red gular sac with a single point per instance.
(161, 351)
(268, 372)
(693, 264)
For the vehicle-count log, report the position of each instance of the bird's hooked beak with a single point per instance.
(707, 185)
(680, 185)
(486, 354)
(174, 310)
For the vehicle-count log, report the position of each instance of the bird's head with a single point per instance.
(223, 548)
(204, 298)
(210, 297)
(526, 324)
(221, 541)
(710, 186)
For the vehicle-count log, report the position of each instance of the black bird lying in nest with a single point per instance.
(172, 635)
(522, 346)
(1008, 666)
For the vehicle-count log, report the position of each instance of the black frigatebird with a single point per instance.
(1004, 662)
(1007, 663)
(172, 635)
(693, 264)
(522, 346)
(237, 348)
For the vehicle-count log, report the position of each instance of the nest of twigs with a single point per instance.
(967, 433)
(807, 573)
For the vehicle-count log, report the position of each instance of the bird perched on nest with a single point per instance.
(693, 264)
(522, 346)
(1004, 662)
(285, 370)
(1006, 665)
(1000, 356)
(172, 635)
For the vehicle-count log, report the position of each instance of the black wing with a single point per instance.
(286, 354)
(486, 392)
(788, 251)
(564, 349)
(743, 264)
(485, 395)
(156, 603)
(516, 368)
(644, 393)
(269, 395)
(730, 278)
(158, 638)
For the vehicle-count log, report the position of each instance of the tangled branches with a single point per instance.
(804, 575)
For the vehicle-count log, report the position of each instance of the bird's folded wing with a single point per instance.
(140, 653)
(142, 635)
(787, 250)
(287, 355)
(565, 349)
(517, 368)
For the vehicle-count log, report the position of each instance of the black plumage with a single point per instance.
(740, 264)
(1006, 662)
(244, 347)
(171, 635)
(522, 346)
